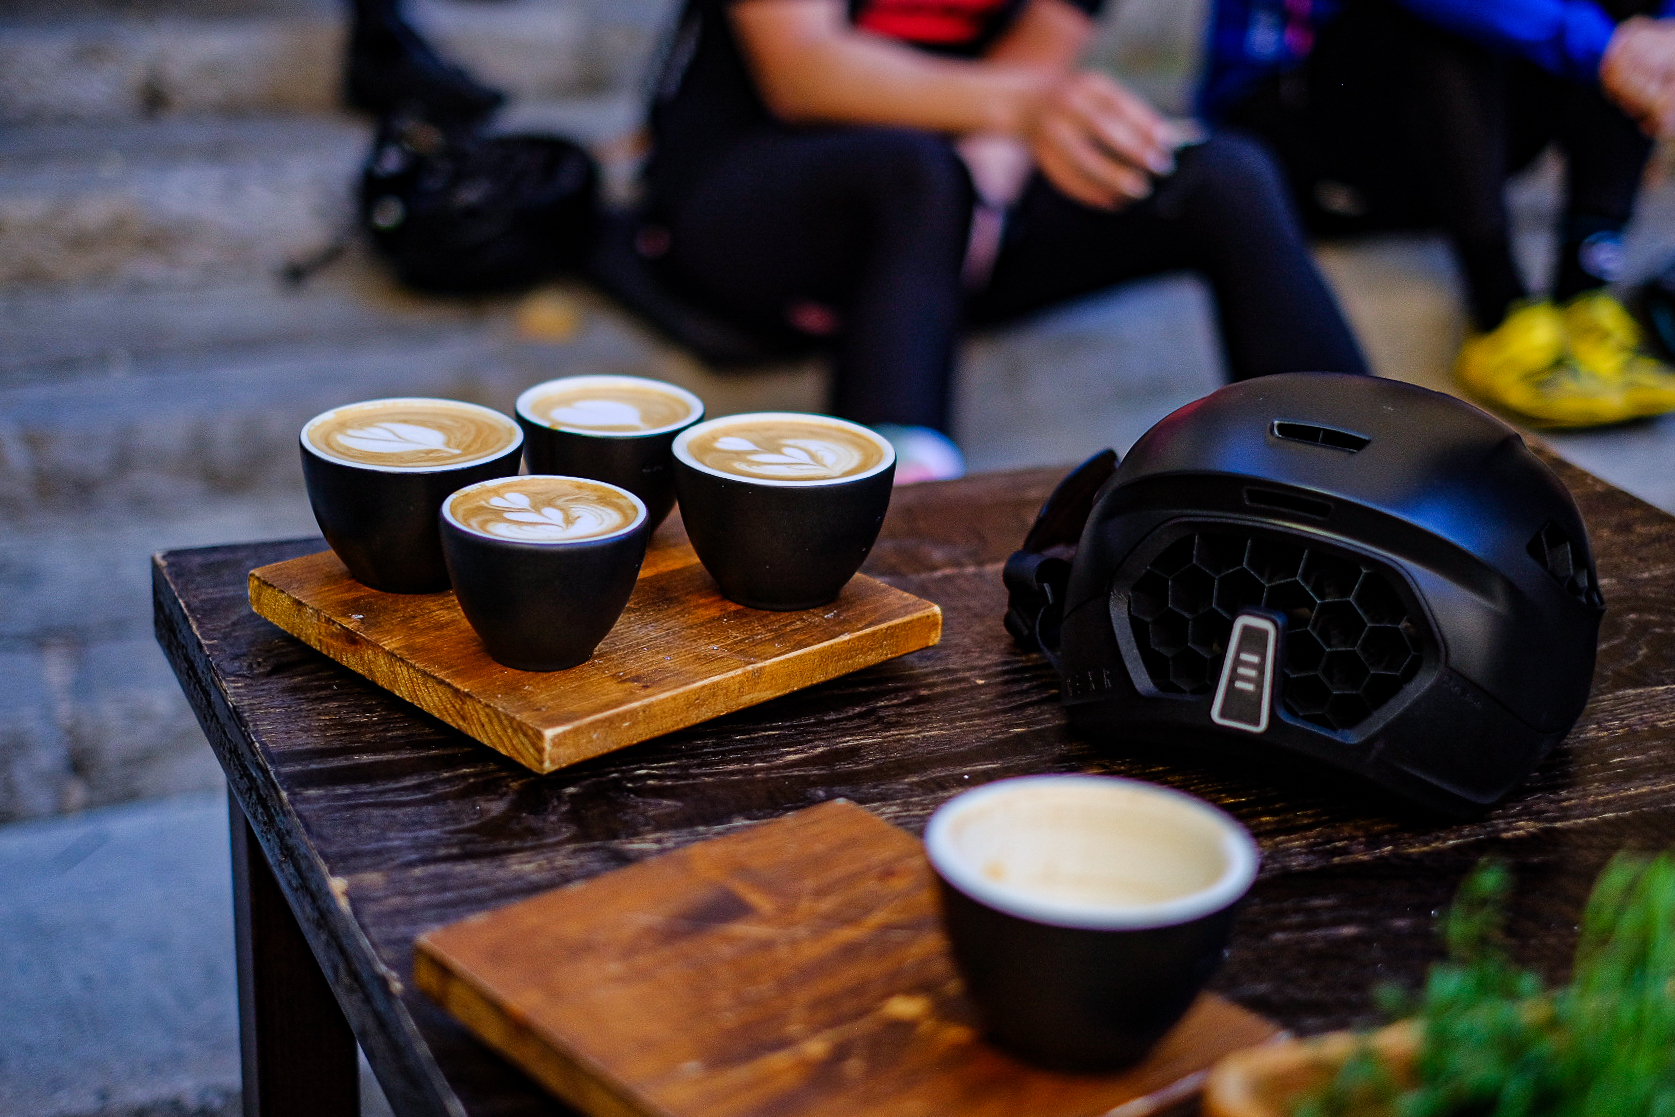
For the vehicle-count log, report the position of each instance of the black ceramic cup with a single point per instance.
(378, 471)
(1085, 912)
(781, 507)
(542, 565)
(610, 428)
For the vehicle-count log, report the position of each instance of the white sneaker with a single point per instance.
(922, 454)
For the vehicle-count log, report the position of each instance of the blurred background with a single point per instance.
(160, 162)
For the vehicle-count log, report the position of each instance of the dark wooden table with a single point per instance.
(379, 822)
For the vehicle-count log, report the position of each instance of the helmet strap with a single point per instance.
(1037, 574)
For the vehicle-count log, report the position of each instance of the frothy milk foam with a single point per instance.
(786, 448)
(414, 434)
(1090, 846)
(543, 509)
(609, 405)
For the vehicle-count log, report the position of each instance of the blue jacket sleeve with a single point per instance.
(1567, 37)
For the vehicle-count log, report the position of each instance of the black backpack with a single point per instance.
(456, 212)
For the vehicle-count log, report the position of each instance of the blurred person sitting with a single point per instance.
(391, 69)
(1402, 113)
(884, 171)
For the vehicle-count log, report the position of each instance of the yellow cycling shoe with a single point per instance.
(1567, 394)
(1603, 336)
(1529, 341)
(1524, 366)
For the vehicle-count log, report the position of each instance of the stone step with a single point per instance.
(135, 405)
(90, 713)
(178, 201)
(116, 61)
(104, 331)
(141, 436)
(125, 59)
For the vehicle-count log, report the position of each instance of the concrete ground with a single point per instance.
(116, 963)
(117, 984)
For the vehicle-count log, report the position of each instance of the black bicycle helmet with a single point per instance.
(1359, 571)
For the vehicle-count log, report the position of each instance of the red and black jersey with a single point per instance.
(706, 98)
(955, 26)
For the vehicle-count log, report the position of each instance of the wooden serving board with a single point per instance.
(797, 967)
(680, 654)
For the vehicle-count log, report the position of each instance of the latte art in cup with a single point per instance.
(785, 448)
(606, 405)
(544, 509)
(410, 434)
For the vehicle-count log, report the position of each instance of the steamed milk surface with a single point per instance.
(1103, 848)
(410, 434)
(619, 408)
(542, 509)
(785, 450)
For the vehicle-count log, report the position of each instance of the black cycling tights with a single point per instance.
(1480, 117)
(862, 232)
(1423, 127)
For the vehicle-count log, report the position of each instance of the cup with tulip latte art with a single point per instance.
(378, 471)
(543, 565)
(781, 507)
(610, 428)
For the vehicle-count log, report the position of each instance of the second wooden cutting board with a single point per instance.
(796, 967)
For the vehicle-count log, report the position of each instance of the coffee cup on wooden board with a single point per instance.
(1085, 912)
(782, 507)
(542, 566)
(617, 429)
(377, 472)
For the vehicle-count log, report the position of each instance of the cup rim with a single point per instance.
(1239, 848)
(526, 397)
(687, 435)
(326, 455)
(632, 526)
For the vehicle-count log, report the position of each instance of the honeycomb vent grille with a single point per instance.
(1350, 644)
(1565, 562)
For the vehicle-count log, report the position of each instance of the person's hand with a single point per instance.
(1098, 142)
(1638, 73)
(999, 167)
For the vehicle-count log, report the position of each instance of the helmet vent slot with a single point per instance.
(1317, 435)
(1351, 644)
(1294, 503)
(1566, 563)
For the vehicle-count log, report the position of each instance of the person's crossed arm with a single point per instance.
(1095, 140)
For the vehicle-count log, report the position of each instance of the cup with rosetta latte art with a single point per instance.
(377, 472)
(782, 507)
(610, 428)
(543, 565)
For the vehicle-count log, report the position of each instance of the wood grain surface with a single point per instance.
(382, 822)
(679, 655)
(795, 967)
